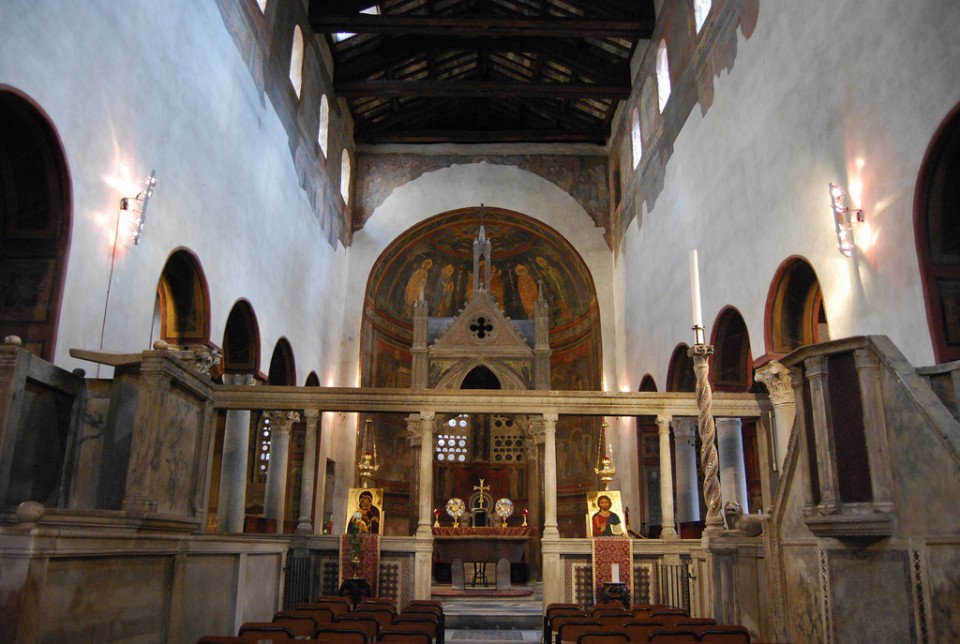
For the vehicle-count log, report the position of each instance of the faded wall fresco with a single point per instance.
(584, 177)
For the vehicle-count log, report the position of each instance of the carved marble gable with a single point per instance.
(482, 330)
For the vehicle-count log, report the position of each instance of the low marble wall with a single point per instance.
(102, 585)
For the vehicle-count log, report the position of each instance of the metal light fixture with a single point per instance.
(845, 218)
(137, 206)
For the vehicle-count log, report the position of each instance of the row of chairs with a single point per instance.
(614, 623)
(334, 620)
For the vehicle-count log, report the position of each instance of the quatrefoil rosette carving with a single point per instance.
(482, 328)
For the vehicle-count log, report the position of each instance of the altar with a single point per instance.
(498, 545)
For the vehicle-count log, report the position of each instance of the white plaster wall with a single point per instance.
(817, 87)
(135, 86)
(496, 186)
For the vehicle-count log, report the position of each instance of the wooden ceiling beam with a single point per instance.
(474, 89)
(482, 136)
(475, 27)
(398, 50)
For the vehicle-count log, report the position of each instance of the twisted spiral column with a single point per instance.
(709, 461)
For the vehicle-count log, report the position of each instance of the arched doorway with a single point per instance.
(937, 226)
(795, 315)
(34, 224)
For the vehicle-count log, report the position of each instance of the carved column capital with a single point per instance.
(663, 423)
(684, 427)
(282, 421)
(776, 378)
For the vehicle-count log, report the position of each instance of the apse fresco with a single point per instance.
(436, 257)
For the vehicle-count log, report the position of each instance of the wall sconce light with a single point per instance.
(844, 217)
(137, 206)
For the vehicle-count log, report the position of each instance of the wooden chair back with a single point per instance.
(260, 632)
(723, 634)
(672, 636)
(639, 630)
(366, 625)
(300, 623)
(603, 637)
(570, 630)
(330, 635)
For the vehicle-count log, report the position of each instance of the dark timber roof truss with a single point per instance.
(476, 71)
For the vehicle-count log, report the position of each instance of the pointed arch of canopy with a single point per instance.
(459, 376)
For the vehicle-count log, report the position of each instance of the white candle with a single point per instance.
(615, 573)
(695, 292)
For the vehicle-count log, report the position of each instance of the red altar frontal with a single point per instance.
(500, 545)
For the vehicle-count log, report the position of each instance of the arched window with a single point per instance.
(182, 301)
(663, 74)
(700, 10)
(296, 60)
(795, 313)
(648, 384)
(937, 225)
(282, 366)
(345, 171)
(635, 137)
(324, 132)
(34, 224)
(680, 375)
(241, 340)
(732, 369)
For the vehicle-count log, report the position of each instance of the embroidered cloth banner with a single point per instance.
(607, 552)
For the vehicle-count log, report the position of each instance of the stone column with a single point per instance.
(423, 555)
(776, 378)
(324, 441)
(733, 474)
(274, 497)
(550, 530)
(309, 476)
(685, 451)
(668, 531)
(231, 505)
(550, 542)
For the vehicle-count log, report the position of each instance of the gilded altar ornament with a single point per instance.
(436, 517)
(368, 464)
(524, 514)
(605, 468)
(503, 508)
(455, 508)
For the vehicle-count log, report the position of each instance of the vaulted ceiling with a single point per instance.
(479, 71)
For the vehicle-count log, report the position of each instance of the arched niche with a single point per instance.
(937, 227)
(478, 374)
(34, 224)
(795, 315)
